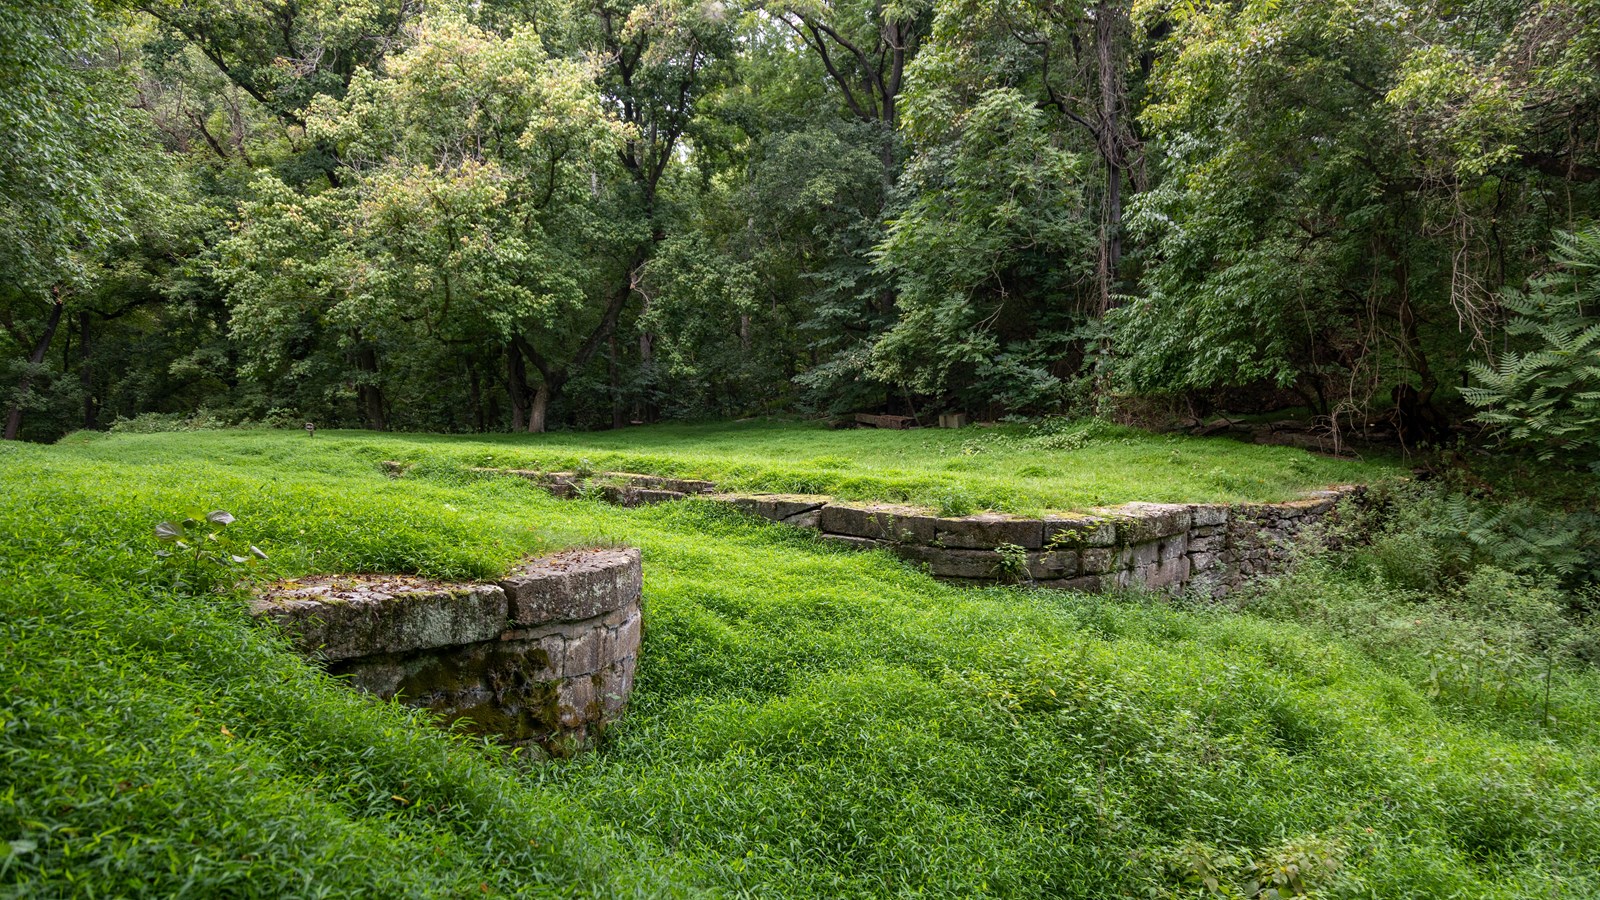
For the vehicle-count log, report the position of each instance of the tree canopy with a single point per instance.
(526, 215)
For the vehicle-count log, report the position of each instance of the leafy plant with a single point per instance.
(1013, 563)
(1548, 396)
(203, 549)
(955, 502)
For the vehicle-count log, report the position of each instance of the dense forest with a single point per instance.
(491, 215)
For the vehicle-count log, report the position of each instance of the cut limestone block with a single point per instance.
(987, 531)
(340, 616)
(776, 507)
(578, 584)
(879, 522)
(1079, 531)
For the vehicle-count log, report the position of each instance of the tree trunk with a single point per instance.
(370, 394)
(40, 348)
(1107, 17)
(475, 393)
(517, 386)
(618, 414)
(540, 408)
(91, 406)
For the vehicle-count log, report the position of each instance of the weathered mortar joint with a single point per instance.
(544, 659)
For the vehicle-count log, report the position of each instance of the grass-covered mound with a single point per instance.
(807, 721)
(1054, 465)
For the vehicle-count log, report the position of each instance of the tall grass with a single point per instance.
(807, 721)
(1054, 465)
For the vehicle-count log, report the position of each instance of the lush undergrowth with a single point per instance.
(1057, 465)
(807, 721)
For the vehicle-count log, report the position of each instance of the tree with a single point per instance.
(67, 164)
(994, 209)
(466, 216)
(1337, 195)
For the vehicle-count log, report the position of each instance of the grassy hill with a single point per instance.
(807, 721)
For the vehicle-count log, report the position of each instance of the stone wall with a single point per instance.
(542, 659)
(1205, 548)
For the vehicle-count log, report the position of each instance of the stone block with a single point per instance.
(777, 507)
(1143, 522)
(854, 543)
(898, 423)
(1201, 561)
(1209, 515)
(1054, 564)
(622, 641)
(638, 496)
(1145, 555)
(953, 420)
(1079, 531)
(616, 682)
(880, 522)
(1100, 560)
(340, 617)
(1177, 545)
(988, 531)
(810, 520)
(1089, 584)
(581, 653)
(573, 585)
(576, 703)
(946, 562)
(1171, 572)
(663, 483)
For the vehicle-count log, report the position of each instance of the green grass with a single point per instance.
(807, 721)
(1012, 468)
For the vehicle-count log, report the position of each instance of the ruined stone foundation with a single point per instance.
(544, 659)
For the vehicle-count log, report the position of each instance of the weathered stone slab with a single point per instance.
(1209, 515)
(777, 507)
(573, 585)
(1141, 522)
(950, 562)
(987, 531)
(630, 497)
(342, 616)
(662, 483)
(879, 522)
(854, 543)
(1100, 560)
(1079, 531)
(895, 422)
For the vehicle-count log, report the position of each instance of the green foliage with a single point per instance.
(994, 204)
(67, 147)
(1432, 539)
(1012, 567)
(865, 731)
(1548, 395)
(205, 553)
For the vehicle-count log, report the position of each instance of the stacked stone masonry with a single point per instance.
(1208, 549)
(543, 659)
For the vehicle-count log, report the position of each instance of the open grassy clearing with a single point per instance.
(807, 721)
(1025, 469)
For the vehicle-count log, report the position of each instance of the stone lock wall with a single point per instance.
(544, 658)
(1206, 548)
